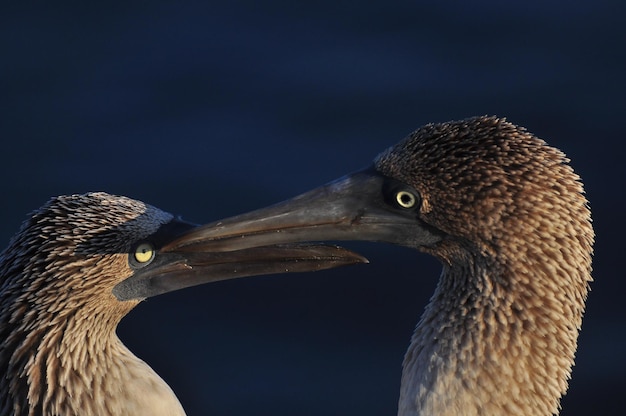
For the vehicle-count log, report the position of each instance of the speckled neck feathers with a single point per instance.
(499, 335)
(59, 354)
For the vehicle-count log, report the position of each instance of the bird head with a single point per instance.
(106, 253)
(460, 189)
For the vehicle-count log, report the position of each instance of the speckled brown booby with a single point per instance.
(78, 265)
(507, 217)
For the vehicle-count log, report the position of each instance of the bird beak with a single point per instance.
(187, 255)
(355, 207)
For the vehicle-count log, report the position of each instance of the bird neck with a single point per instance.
(492, 341)
(74, 363)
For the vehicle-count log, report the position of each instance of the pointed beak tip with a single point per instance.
(354, 257)
(356, 260)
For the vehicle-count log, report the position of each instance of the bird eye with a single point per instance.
(144, 253)
(406, 199)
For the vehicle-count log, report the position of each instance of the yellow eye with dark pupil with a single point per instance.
(405, 199)
(144, 252)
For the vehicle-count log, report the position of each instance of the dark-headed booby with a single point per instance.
(76, 267)
(507, 217)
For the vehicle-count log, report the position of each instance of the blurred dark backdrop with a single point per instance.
(209, 109)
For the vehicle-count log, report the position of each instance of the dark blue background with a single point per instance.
(211, 109)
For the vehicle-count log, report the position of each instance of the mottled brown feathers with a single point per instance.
(500, 333)
(59, 354)
(498, 337)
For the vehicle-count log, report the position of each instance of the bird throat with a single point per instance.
(75, 367)
(484, 347)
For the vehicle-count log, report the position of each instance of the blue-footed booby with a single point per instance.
(507, 217)
(77, 266)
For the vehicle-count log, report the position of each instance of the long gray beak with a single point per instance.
(361, 206)
(181, 255)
